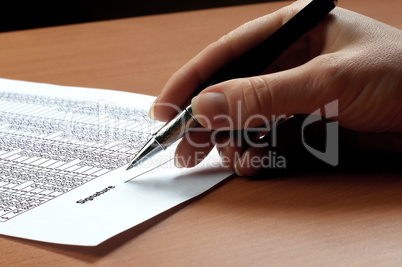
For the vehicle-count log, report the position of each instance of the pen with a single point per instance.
(252, 63)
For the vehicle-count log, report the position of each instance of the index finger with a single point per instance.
(181, 86)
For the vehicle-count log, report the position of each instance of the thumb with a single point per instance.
(254, 101)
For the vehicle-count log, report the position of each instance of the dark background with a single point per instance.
(18, 15)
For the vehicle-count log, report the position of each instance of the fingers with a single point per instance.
(333, 62)
(182, 85)
(250, 102)
(284, 147)
(193, 148)
(390, 143)
(231, 145)
(272, 151)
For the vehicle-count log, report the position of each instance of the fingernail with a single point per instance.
(176, 163)
(210, 105)
(238, 172)
(151, 113)
(223, 159)
(221, 154)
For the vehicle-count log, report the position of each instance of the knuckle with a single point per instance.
(256, 96)
(331, 69)
(227, 42)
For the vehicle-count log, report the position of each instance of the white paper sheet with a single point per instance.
(63, 155)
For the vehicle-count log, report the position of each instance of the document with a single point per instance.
(63, 158)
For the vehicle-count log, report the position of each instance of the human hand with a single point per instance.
(348, 57)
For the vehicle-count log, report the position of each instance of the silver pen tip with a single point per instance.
(151, 147)
(130, 167)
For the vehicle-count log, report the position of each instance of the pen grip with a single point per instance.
(176, 128)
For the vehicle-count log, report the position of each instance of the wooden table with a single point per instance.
(333, 217)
